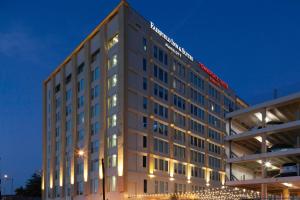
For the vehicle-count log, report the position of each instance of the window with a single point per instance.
(112, 161)
(196, 127)
(95, 110)
(216, 108)
(179, 152)
(145, 186)
(197, 112)
(113, 41)
(144, 83)
(80, 102)
(95, 74)
(57, 88)
(145, 122)
(179, 69)
(197, 172)
(95, 165)
(160, 55)
(214, 135)
(214, 148)
(179, 86)
(113, 61)
(197, 157)
(68, 109)
(214, 121)
(112, 81)
(95, 92)
(94, 185)
(145, 103)
(160, 74)
(179, 119)
(112, 141)
(68, 79)
(214, 93)
(161, 187)
(80, 118)
(95, 146)
(161, 146)
(179, 168)
(68, 125)
(144, 44)
(95, 55)
(80, 68)
(197, 142)
(215, 176)
(160, 92)
(180, 188)
(144, 64)
(80, 85)
(112, 121)
(57, 102)
(160, 128)
(155, 49)
(179, 136)
(196, 81)
(179, 102)
(197, 97)
(68, 95)
(161, 165)
(112, 183)
(112, 101)
(144, 141)
(160, 110)
(80, 134)
(80, 188)
(144, 161)
(95, 128)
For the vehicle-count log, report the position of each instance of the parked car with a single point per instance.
(270, 123)
(281, 147)
(288, 169)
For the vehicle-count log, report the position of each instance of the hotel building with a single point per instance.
(264, 147)
(130, 95)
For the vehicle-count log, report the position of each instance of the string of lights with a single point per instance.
(222, 193)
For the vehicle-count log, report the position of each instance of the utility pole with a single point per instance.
(103, 179)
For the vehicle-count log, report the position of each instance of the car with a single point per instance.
(280, 147)
(270, 123)
(288, 169)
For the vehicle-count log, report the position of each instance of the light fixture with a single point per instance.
(287, 184)
(268, 164)
(80, 152)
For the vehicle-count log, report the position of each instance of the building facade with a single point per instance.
(264, 147)
(131, 96)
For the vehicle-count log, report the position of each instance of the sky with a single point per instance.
(253, 45)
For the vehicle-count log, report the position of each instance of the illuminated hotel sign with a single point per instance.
(172, 46)
(213, 77)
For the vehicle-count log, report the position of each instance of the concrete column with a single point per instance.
(286, 194)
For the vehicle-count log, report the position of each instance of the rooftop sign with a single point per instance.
(172, 43)
(213, 77)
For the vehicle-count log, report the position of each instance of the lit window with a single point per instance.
(113, 61)
(112, 101)
(113, 41)
(112, 81)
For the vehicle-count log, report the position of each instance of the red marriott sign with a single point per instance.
(213, 77)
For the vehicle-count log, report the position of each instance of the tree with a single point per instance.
(32, 187)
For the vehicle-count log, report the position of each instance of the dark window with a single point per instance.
(145, 103)
(68, 79)
(144, 64)
(144, 161)
(57, 88)
(94, 55)
(145, 44)
(155, 51)
(144, 141)
(80, 68)
(145, 186)
(144, 83)
(145, 122)
(166, 59)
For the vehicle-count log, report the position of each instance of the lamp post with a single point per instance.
(7, 178)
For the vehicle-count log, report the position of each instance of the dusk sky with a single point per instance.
(253, 45)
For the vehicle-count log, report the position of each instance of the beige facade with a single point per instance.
(131, 96)
(263, 147)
